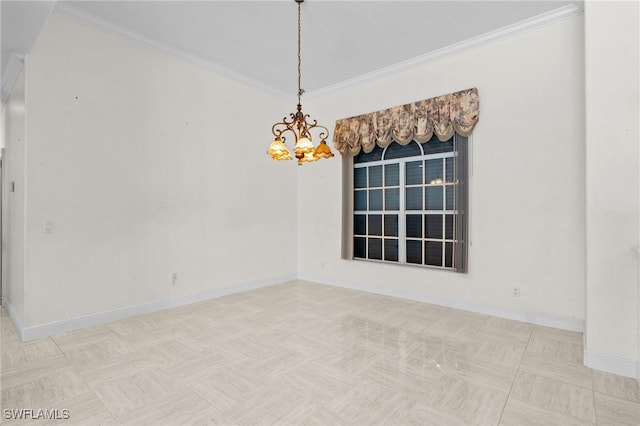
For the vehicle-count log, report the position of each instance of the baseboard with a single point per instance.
(52, 328)
(538, 318)
(612, 364)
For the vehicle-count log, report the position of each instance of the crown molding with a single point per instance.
(71, 11)
(556, 15)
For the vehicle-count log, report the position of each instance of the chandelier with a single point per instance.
(301, 127)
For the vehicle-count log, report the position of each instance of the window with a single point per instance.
(409, 204)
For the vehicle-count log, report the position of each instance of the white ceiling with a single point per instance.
(256, 40)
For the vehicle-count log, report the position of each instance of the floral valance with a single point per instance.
(443, 115)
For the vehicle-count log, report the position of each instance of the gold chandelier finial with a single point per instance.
(300, 126)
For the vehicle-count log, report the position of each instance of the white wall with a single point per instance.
(613, 191)
(13, 203)
(527, 180)
(145, 165)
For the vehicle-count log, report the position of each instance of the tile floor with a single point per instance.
(309, 354)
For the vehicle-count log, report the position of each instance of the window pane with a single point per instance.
(392, 199)
(413, 199)
(434, 146)
(375, 248)
(449, 193)
(392, 175)
(449, 169)
(414, 252)
(375, 199)
(375, 176)
(391, 225)
(391, 250)
(448, 226)
(375, 224)
(360, 224)
(414, 225)
(359, 247)
(374, 155)
(360, 200)
(398, 151)
(413, 173)
(433, 198)
(448, 255)
(433, 253)
(360, 177)
(433, 226)
(433, 171)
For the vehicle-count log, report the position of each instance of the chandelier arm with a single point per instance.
(279, 129)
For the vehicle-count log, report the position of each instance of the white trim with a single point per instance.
(48, 329)
(556, 15)
(69, 10)
(538, 318)
(612, 364)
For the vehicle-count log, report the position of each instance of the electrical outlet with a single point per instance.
(174, 278)
(516, 292)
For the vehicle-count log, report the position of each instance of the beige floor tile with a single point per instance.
(247, 346)
(503, 334)
(214, 335)
(428, 351)
(352, 358)
(85, 409)
(127, 394)
(187, 370)
(468, 401)
(272, 364)
(555, 347)
(172, 349)
(402, 378)
(317, 382)
(519, 413)
(324, 417)
(614, 385)
(613, 411)
(558, 334)
(44, 392)
(272, 405)
(483, 373)
(84, 337)
(24, 373)
(555, 395)
(569, 372)
(99, 351)
(30, 352)
(496, 351)
(182, 408)
(423, 415)
(370, 403)
(305, 353)
(516, 327)
(227, 387)
(99, 373)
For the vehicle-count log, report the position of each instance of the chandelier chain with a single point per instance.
(300, 90)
